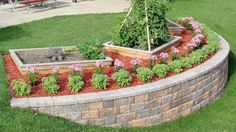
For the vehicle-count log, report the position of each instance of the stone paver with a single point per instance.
(65, 7)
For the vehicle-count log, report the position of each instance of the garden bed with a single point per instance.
(43, 58)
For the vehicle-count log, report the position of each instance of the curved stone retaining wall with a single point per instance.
(143, 105)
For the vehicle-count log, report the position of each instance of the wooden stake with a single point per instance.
(131, 8)
(148, 32)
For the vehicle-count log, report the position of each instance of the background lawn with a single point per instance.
(220, 15)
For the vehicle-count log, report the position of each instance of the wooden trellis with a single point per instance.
(147, 25)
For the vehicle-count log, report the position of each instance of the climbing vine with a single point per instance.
(144, 25)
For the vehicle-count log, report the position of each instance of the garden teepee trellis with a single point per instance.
(147, 25)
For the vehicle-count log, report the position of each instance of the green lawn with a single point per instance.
(220, 15)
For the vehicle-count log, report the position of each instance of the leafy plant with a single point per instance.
(75, 83)
(133, 33)
(21, 88)
(32, 73)
(122, 77)
(50, 85)
(186, 62)
(160, 70)
(100, 81)
(175, 66)
(144, 74)
(136, 64)
(91, 50)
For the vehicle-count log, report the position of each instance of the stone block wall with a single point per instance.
(143, 105)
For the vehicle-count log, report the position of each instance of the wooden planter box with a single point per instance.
(45, 68)
(174, 28)
(109, 47)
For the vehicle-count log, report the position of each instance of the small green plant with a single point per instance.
(91, 50)
(175, 66)
(100, 81)
(50, 85)
(160, 70)
(32, 73)
(152, 61)
(186, 62)
(21, 88)
(75, 83)
(144, 74)
(174, 53)
(122, 77)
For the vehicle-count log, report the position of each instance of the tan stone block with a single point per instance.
(90, 114)
(141, 98)
(95, 105)
(138, 122)
(163, 92)
(108, 112)
(125, 109)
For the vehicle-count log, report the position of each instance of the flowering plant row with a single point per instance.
(195, 52)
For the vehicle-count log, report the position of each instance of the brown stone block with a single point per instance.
(108, 112)
(141, 98)
(125, 109)
(138, 122)
(90, 114)
(95, 105)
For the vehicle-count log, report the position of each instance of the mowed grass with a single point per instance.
(220, 116)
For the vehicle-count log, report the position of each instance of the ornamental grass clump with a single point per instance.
(75, 83)
(136, 63)
(32, 73)
(21, 88)
(50, 85)
(160, 70)
(144, 74)
(122, 77)
(99, 79)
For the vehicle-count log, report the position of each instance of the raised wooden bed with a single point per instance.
(174, 28)
(45, 67)
(109, 47)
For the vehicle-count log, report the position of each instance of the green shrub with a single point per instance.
(175, 66)
(91, 50)
(100, 81)
(144, 74)
(186, 62)
(160, 70)
(50, 85)
(122, 77)
(21, 88)
(75, 83)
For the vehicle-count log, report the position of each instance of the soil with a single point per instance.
(13, 73)
(44, 56)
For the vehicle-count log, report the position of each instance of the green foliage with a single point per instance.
(160, 70)
(75, 83)
(21, 88)
(100, 81)
(50, 85)
(122, 77)
(133, 33)
(32, 78)
(175, 66)
(144, 74)
(91, 50)
(186, 62)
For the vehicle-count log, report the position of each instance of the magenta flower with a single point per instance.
(55, 69)
(118, 63)
(32, 69)
(135, 61)
(175, 50)
(164, 55)
(76, 67)
(153, 57)
(99, 64)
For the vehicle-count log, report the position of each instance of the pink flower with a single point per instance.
(31, 69)
(197, 38)
(192, 45)
(55, 69)
(135, 61)
(185, 48)
(153, 57)
(76, 67)
(118, 63)
(99, 64)
(164, 55)
(175, 50)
